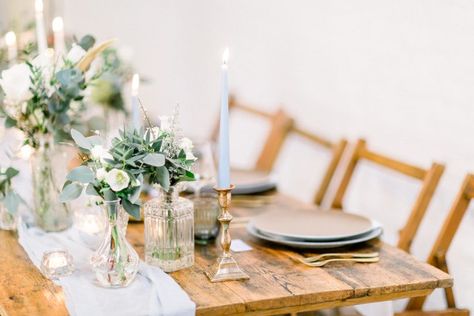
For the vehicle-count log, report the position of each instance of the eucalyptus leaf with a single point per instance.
(110, 195)
(81, 174)
(90, 190)
(70, 192)
(132, 209)
(81, 140)
(155, 160)
(87, 42)
(95, 140)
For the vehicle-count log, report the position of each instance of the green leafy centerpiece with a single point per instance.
(9, 199)
(169, 219)
(43, 98)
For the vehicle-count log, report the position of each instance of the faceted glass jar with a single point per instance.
(115, 262)
(8, 221)
(49, 170)
(169, 231)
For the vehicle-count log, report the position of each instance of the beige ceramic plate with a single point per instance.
(312, 224)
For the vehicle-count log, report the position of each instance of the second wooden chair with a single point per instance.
(429, 177)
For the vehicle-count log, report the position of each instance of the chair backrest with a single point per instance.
(437, 256)
(429, 177)
(337, 150)
(281, 124)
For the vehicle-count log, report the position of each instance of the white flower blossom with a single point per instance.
(37, 117)
(187, 145)
(117, 179)
(15, 83)
(75, 54)
(98, 152)
(100, 174)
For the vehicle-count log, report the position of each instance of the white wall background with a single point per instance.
(400, 73)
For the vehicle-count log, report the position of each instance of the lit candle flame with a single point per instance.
(135, 84)
(10, 39)
(225, 56)
(58, 24)
(39, 6)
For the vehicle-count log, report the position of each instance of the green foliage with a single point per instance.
(8, 196)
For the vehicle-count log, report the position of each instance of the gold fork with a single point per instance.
(324, 262)
(339, 255)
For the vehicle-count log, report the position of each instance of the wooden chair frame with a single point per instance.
(337, 150)
(437, 256)
(281, 124)
(430, 179)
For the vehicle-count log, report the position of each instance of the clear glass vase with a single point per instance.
(8, 221)
(169, 231)
(49, 168)
(115, 262)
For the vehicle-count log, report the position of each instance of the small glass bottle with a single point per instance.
(49, 170)
(115, 262)
(169, 231)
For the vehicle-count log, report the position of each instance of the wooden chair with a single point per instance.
(437, 256)
(337, 150)
(281, 124)
(429, 177)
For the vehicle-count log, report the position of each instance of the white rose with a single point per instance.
(16, 83)
(100, 174)
(75, 54)
(186, 144)
(98, 152)
(165, 123)
(117, 179)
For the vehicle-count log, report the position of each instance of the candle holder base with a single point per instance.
(226, 269)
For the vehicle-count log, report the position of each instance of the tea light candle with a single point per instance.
(91, 224)
(56, 264)
(10, 41)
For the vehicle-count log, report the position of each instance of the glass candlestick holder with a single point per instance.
(225, 268)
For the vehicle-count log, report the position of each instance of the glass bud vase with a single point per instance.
(8, 221)
(115, 262)
(48, 173)
(169, 231)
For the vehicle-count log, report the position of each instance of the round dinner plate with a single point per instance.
(315, 244)
(247, 182)
(312, 225)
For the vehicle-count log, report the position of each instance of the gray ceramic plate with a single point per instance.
(314, 244)
(312, 224)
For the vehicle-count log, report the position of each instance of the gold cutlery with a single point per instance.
(324, 262)
(338, 255)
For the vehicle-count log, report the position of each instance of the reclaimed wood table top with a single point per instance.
(277, 283)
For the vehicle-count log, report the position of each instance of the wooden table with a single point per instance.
(277, 284)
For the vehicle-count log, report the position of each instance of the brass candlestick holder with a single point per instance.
(226, 268)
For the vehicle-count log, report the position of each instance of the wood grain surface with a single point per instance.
(277, 283)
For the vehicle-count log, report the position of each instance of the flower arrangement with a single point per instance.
(44, 95)
(107, 91)
(157, 153)
(8, 196)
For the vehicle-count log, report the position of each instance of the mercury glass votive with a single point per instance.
(57, 264)
(206, 210)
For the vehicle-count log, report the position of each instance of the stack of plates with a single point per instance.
(247, 182)
(313, 228)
